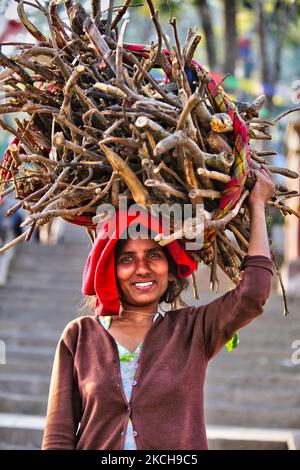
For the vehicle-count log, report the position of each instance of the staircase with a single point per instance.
(252, 393)
(42, 295)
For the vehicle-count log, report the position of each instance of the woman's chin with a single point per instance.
(142, 299)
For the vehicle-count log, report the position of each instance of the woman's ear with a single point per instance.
(172, 277)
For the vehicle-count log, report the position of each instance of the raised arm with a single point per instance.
(221, 318)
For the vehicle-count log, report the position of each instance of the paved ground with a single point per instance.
(256, 386)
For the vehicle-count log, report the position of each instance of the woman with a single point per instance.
(130, 377)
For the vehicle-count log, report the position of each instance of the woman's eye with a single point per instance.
(126, 259)
(154, 254)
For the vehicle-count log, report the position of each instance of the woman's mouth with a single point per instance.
(144, 286)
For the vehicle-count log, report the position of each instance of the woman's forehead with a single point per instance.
(140, 244)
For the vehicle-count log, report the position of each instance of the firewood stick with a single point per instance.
(280, 171)
(13, 209)
(143, 122)
(207, 193)
(139, 193)
(120, 13)
(68, 90)
(215, 175)
(13, 242)
(119, 54)
(192, 49)
(221, 223)
(166, 188)
(154, 17)
(164, 167)
(238, 235)
(284, 208)
(100, 44)
(190, 105)
(109, 15)
(191, 228)
(214, 282)
(109, 89)
(232, 245)
(275, 262)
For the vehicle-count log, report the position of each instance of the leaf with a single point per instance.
(233, 343)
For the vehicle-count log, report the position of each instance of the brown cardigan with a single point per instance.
(166, 405)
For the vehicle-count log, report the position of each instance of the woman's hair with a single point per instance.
(172, 294)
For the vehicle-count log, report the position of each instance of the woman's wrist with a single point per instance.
(257, 205)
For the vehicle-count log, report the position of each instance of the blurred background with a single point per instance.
(252, 393)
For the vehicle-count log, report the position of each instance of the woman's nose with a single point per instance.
(142, 266)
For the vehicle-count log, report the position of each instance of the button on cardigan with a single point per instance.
(166, 406)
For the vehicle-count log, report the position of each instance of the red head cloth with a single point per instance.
(99, 273)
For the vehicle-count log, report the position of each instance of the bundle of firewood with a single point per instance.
(101, 126)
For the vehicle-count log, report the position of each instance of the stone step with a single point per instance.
(40, 292)
(24, 384)
(34, 400)
(14, 365)
(242, 378)
(259, 362)
(242, 438)
(4, 445)
(258, 394)
(227, 413)
(32, 248)
(59, 299)
(256, 361)
(255, 365)
(230, 444)
(36, 249)
(46, 277)
(60, 245)
(48, 266)
(42, 325)
(280, 387)
(66, 305)
(19, 432)
(28, 338)
(41, 289)
(23, 404)
(29, 353)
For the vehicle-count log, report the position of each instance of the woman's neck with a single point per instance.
(143, 315)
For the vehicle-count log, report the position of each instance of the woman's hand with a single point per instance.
(263, 188)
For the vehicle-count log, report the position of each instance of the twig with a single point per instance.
(274, 258)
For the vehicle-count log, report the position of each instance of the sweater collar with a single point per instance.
(105, 320)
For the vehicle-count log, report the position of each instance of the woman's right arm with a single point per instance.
(63, 413)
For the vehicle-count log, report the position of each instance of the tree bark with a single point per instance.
(230, 10)
(206, 20)
(263, 48)
(283, 14)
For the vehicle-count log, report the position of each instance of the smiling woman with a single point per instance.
(148, 366)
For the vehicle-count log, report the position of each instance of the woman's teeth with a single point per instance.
(144, 285)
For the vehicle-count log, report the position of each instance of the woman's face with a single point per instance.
(142, 272)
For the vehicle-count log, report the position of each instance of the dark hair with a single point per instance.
(171, 296)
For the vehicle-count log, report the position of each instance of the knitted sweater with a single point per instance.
(166, 406)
